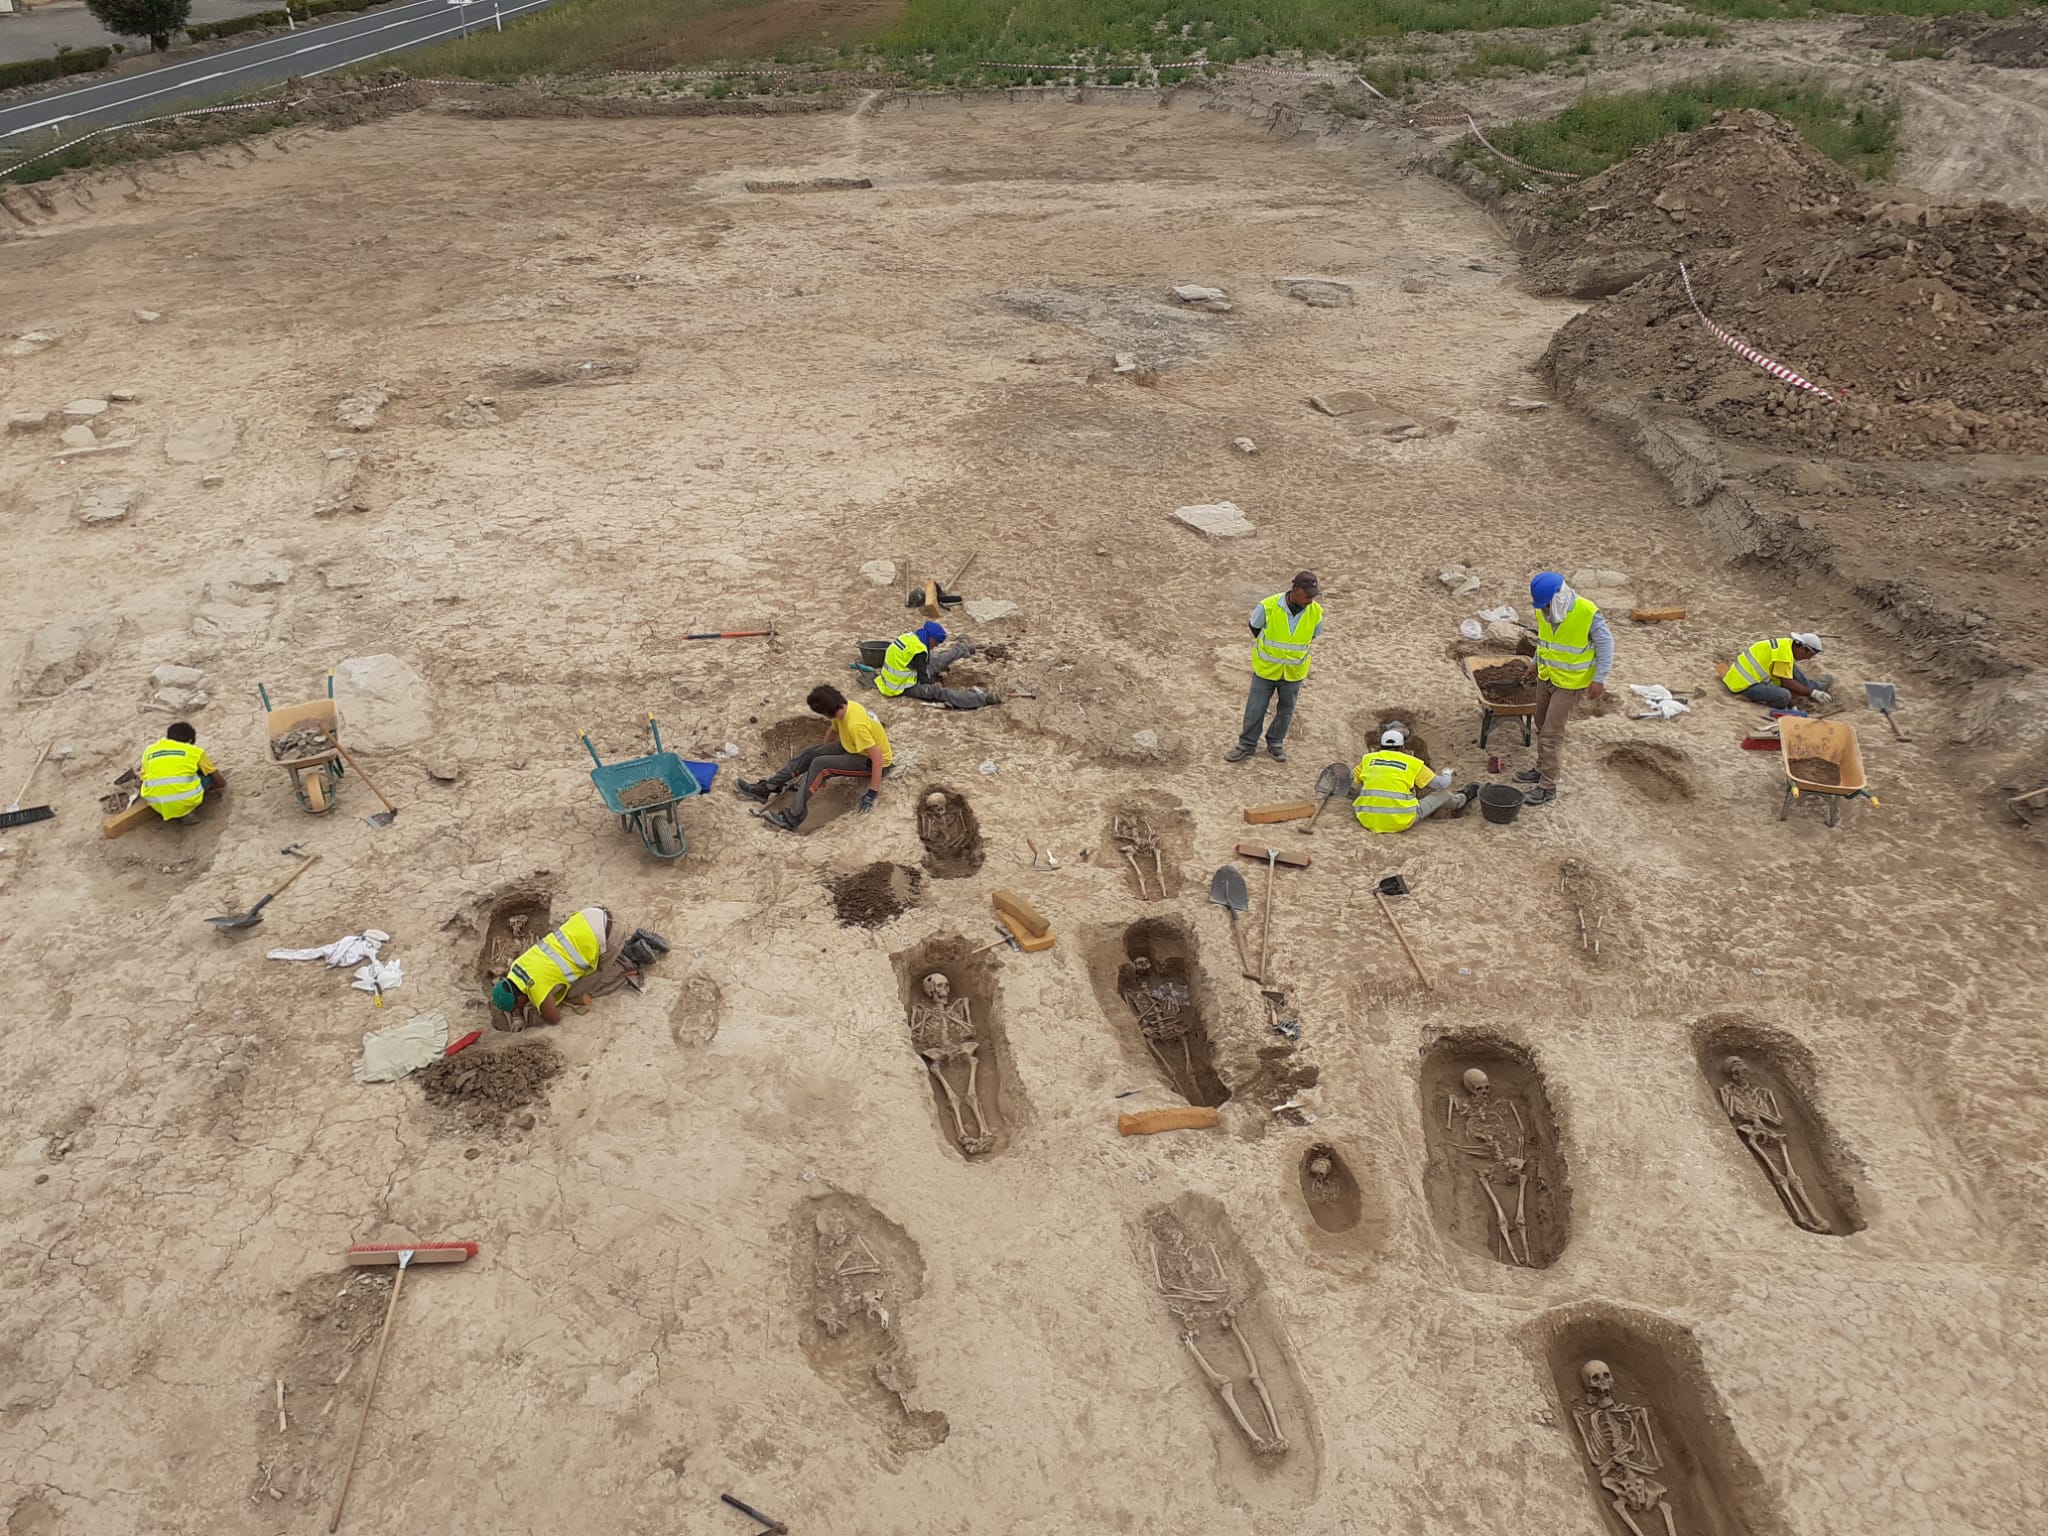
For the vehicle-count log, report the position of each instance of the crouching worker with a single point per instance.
(569, 966)
(855, 745)
(912, 670)
(177, 775)
(1769, 673)
(1396, 789)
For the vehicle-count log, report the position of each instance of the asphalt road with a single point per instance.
(312, 50)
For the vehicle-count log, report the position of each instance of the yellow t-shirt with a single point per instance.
(859, 730)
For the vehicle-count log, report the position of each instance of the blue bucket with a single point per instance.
(703, 773)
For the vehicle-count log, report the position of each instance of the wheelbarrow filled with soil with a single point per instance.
(1507, 691)
(302, 740)
(1821, 757)
(644, 793)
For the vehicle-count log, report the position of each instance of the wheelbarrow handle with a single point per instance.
(263, 693)
(330, 682)
(656, 729)
(584, 737)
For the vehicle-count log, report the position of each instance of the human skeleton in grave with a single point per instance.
(1201, 1295)
(1761, 1124)
(1166, 1018)
(850, 1277)
(1622, 1446)
(1491, 1132)
(942, 1030)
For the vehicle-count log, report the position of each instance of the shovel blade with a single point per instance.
(238, 920)
(1227, 889)
(382, 818)
(1882, 697)
(1333, 780)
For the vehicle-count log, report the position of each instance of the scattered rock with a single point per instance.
(1521, 403)
(359, 412)
(881, 572)
(178, 701)
(1203, 298)
(1810, 479)
(475, 411)
(986, 610)
(83, 410)
(1452, 576)
(1218, 520)
(259, 574)
(1466, 587)
(171, 675)
(1414, 285)
(444, 770)
(1317, 292)
(201, 439)
(1345, 402)
(385, 702)
(1368, 412)
(1505, 634)
(64, 653)
(338, 492)
(28, 421)
(1244, 445)
(1146, 741)
(108, 503)
(220, 621)
(344, 576)
(213, 480)
(80, 436)
(28, 342)
(124, 396)
(1593, 580)
(1126, 362)
(148, 316)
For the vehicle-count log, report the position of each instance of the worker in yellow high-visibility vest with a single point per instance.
(1396, 789)
(177, 775)
(1283, 628)
(1769, 673)
(1574, 653)
(912, 669)
(855, 746)
(549, 973)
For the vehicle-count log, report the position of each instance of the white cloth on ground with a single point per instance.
(351, 950)
(379, 975)
(393, 1051)
(1657, 700)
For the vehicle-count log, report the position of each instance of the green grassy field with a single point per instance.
(1598, 130)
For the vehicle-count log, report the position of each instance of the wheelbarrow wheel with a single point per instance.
(662, 833)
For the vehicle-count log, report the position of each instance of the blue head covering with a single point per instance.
(931, 632)
(1543, 587)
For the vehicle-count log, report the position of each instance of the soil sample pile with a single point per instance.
(1816, 770)
(1509, 683)
(646, 792)
(870, 897)
(483, 1088)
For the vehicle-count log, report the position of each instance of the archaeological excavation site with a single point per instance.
(917, 804)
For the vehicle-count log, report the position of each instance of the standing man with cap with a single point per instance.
(1574, 654)
(1769, 673)
(912, 668)
(1283, 627)
(1390, 781)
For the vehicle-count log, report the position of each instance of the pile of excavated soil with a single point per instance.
(1929, 324)
(1509, 683)
(2019, 43)
(872, 896)
(1816, 770)
(646, 792)
(485, 1087)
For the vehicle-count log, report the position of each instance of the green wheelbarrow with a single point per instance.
(643, 792)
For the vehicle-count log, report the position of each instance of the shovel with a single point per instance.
(1329, 782)
(389, 814)
(254, 915)
(1884, 698)
(1227, 889)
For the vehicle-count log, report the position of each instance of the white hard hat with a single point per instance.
(1393, 734)
(1808, 639)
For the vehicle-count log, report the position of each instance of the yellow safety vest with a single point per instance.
(1281, 652)
(172, 782)
(1764, 662)
(565, 956)
(1564, 652)
(897, 671)
(1387, 781)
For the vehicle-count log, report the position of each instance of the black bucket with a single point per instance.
(1500, 803)
(874, 652)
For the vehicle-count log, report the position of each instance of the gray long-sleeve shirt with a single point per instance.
(1603, 648)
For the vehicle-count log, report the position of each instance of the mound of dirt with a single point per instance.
(2018, 43)
(484, 1087)
(1929, 324)
(872, 896)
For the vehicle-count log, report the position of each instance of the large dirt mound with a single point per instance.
(2018, 43)
(1929, 323)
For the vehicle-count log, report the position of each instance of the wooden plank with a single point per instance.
(1288, 810)
(127, 821)
(1026, 914)
(1031, 943)
(1290, 859)
(1655, 615)
(1147, 1122)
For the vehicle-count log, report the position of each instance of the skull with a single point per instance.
(1737, 1070)
(1142, 964)
(1319, 1167)
(1475, 1082)
(1597, 1379)
(937, 988)
(935, 801)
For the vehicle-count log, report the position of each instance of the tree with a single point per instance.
(153, 19)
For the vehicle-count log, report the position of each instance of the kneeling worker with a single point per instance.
(912, 669)
(855, 744)
(1769, 673)
(177, 775)
(1390, 780)
(551, 972)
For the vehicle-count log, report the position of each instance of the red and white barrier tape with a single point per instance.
(1511, 160)
(1745, 350)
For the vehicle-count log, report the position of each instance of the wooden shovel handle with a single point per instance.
(357, 769)
(349, 1473)
(288, 879)
(1420, 974)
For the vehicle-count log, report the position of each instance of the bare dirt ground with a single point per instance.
(730, 1244)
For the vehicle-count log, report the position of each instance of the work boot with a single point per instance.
(1279, 752)
(1237, 754)
(763, 790)
(1542, 794)
(780, 819)
(1528, 776)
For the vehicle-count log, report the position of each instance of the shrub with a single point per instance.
(153, 19)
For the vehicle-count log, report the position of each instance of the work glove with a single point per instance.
(1822, 696)
(867, 801)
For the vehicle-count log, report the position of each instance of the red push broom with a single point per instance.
(364, 1255)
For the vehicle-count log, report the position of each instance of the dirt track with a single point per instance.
(625, 398)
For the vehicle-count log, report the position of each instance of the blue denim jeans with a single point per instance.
(1264, 690)
(1772, 696)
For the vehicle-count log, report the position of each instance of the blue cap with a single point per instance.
(931, 632)
(1543, 587)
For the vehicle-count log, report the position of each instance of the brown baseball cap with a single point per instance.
(1305, 581)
